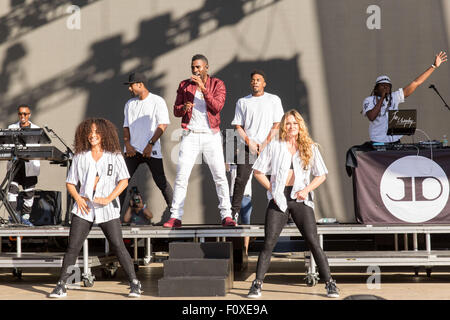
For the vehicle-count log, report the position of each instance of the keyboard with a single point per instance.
(49, 153)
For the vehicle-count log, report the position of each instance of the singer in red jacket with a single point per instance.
(214, 93)
(199, 102)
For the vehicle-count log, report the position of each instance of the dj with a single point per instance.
(27, 174)
(382, 99)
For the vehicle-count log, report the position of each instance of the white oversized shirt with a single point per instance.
(142, 117)
(111, 168)
(32, 167)
(378, 127)
(256, 115)
(275, 160)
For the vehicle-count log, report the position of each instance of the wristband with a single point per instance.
(433, 66)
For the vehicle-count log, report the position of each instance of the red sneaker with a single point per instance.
(228, 222)
(172, 223)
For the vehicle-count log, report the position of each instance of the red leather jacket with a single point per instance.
(214, 98)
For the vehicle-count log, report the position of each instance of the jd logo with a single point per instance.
(414, 189)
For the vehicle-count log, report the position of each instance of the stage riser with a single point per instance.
(206, 250)
(191, 287)
(197, 270)
(196, 267)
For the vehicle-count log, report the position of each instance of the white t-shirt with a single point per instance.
(256, 115)
(275, 160)
(32, 167)
(111, 168)
(142, 117)
(199, 119)
(378, 127)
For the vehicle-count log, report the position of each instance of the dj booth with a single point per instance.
(400, 184)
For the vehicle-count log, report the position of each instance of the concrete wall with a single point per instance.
(320, 58)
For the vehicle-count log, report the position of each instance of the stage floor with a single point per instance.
(284, 281)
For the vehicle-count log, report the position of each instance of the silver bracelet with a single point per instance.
(434, 67)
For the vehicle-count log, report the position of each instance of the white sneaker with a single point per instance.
(60, 290)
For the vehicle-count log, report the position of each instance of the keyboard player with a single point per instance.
(27, 175)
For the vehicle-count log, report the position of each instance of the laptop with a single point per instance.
(402, 122)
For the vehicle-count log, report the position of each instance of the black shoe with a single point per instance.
(332, 290)
(60, 290)
(135, 289)
(255, 290)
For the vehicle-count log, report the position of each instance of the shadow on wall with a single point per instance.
(26, 16)
(100, 77)
(284, 80)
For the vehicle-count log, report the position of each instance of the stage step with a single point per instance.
(206, 250)
(196, 267)
(197, 270)
(193, 287)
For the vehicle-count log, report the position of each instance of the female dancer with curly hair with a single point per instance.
(100, 169)
(290, 160)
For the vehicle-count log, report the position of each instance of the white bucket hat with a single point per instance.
(383, 79)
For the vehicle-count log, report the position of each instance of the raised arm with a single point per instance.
(410, 88)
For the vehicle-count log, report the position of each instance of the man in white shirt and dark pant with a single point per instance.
(145, 119)
(28, 171)
(257, 118)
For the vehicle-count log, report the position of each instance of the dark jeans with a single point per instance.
(156, 168)
(243, 172)
(79, 231)
(304, 218)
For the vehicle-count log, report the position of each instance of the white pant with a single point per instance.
(192, 145)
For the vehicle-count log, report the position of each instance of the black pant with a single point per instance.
(27, 183)
(243, 172)
(156, 168)
(79, 231)
(304, 218)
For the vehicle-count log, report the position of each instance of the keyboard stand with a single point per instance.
(10, 174)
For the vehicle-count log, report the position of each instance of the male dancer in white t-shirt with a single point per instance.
(256, 119)
(382, 100)
(145, 119)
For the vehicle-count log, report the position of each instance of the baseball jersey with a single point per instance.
(275, 160)
(142, 117)
(110, 168)
(378, 127)
(256, 115)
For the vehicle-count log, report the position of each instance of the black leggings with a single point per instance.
(304, 218)
(79, 231)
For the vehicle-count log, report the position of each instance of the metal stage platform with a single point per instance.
(415, 257)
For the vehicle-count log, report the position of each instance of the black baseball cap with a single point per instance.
(136, 77)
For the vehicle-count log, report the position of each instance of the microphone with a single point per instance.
(195, 74)
(437, 92)
(47, 128)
